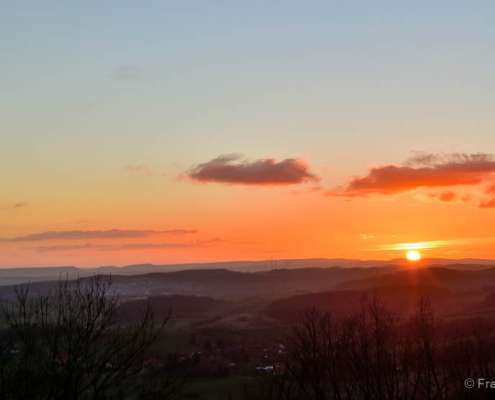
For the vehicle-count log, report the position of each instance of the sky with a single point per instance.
(188, 131)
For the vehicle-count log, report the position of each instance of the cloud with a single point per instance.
(103, 247)
(138, 170)
(421, 158)
(435, 244)
(447, 196)
(125, 246)
(423, 171)
(232, 169)
(490, 189)
(63, 247)
(196, 243)
(488, 203)
(432, 159)
(104, 234)
(15, 206)
(430, 244)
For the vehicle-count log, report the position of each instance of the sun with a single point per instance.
(413, 255)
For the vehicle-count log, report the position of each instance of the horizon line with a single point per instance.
(341, 259)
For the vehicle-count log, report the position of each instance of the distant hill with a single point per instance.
(220, 298)
(12, 276)
(452, 292)
(227, 284)
(223, 283)
(278, 283)
(441, 277)
(402, 299)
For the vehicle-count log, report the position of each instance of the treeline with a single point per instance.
(377, 355)
(71, 344)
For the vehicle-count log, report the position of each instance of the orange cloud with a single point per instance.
(488, 203)
(423, 171)
(106, 234)
(231, 169)
(447, 196)
(490, 189)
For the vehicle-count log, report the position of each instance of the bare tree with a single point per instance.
(375, 355)
(71, 344)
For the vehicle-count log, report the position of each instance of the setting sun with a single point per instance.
(413, 255)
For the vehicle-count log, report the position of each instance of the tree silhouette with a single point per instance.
(71, 344)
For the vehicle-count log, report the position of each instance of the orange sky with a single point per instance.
(176, 133)
(238, 222)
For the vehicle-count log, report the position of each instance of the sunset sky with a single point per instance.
(183, 131)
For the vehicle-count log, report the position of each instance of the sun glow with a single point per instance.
(431, 244)
(413, 255)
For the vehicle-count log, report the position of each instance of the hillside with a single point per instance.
(12, 276)
(441, 277)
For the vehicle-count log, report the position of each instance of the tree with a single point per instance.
(71, 344)
(375, 355)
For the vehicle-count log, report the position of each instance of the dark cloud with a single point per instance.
(423, 171)
(104, 234)
(420, 158)
(232, 169)
(432, 159)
